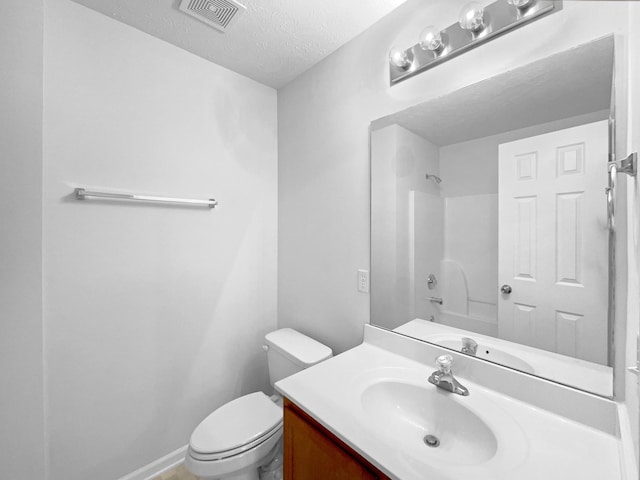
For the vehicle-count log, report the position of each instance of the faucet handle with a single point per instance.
(469, 346)
(444, 363)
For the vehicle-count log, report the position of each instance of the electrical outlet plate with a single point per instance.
(363, 281)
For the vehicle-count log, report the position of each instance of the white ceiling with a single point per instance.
(273, 42)
(568, 84)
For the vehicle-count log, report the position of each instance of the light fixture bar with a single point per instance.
(499, 18)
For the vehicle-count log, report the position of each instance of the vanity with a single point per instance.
(312, 451)
(370, 413)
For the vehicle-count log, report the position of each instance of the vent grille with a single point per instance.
(220, 14)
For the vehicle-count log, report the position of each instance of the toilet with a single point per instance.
(234, 441)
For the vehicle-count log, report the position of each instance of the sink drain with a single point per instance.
(431, 441)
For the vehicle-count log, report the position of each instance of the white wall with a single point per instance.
(323, 171)
(22, 441)
(383, 232)
(155, 315)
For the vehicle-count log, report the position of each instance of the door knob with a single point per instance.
(506, 289)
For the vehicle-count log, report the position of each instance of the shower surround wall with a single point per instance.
(155, 315)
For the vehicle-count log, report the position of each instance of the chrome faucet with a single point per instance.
(443, 378)
(469, 346)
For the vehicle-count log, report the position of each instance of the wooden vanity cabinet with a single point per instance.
(311, 452)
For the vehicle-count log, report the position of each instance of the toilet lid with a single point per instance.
(240, 422)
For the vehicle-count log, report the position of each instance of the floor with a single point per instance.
(178, 473)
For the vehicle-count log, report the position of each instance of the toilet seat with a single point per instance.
(236, 427)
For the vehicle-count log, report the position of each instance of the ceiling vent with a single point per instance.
(220, 14)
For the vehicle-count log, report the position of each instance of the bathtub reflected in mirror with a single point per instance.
(489, 219)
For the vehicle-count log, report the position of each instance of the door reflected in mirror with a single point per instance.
(489, 219)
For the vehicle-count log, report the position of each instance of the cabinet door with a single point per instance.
(313, 454)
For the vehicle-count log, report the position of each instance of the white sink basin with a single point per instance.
(407, 413)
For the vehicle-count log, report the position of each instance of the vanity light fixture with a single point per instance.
(401, 59)
(477, 24)
(431, 39)
(472, 17)
(521, 4)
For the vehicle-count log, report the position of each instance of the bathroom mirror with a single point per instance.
(489, 230)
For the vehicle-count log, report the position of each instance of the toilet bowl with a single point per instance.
(234, 441)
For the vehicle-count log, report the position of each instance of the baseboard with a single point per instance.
(159, 466)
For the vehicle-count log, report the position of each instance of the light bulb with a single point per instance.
(400, 58)
(472, 17)
(430, 39)
(520, 3)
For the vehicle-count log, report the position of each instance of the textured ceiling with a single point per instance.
(273, 42)
(568, 84)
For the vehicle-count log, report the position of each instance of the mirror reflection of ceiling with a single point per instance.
(273, 42)
(565, 85)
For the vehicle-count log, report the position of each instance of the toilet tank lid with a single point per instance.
(301, 349)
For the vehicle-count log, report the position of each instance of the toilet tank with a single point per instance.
(289, 352)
